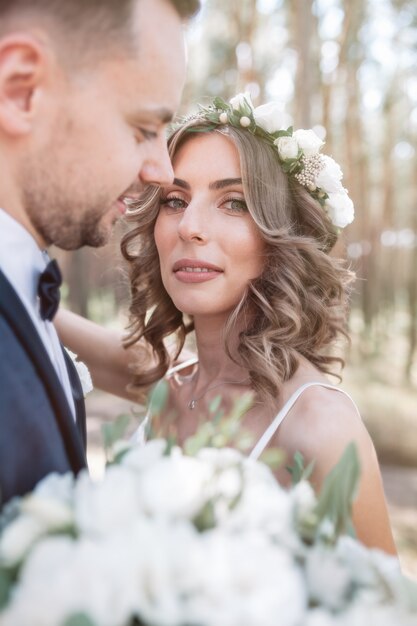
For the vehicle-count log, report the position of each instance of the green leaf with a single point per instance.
(205, 519)
(79, 619)
(201, 439)
(158, 398)
(114, 431)
(215, 404)
(339, 491)
(297, 471)
(273, 457)
(6, 583)
(219, 103)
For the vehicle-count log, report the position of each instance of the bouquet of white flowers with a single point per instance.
(168, 538)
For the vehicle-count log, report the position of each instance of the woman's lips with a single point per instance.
(195, 271)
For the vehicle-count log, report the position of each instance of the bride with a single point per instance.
(236, 249)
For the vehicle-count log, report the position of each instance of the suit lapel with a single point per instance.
(78, 395)
(19, 320)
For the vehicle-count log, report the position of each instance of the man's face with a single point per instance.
(104, 135)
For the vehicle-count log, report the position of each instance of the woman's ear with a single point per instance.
(22, 70)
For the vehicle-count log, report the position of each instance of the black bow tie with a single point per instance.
(48, 290)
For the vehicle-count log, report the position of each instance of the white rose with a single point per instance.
(83, 373)
(340, 209)
(287, 147)
(220, 458)
(269, 117)
(176, 486)
(139, 457)
(62, 577)
(57, 486)
(246, 579)
(329, 179)
(308, 141)
(241, 100)
(51, 513)
(18, 537)
(107, 505)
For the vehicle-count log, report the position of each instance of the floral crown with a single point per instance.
(298, 151)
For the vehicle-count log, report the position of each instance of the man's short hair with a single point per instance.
(85, 24)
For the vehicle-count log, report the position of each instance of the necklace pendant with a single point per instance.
(192, 404)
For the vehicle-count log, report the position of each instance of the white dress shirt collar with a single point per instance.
(21, 259)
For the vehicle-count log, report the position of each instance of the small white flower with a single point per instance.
(308, 141)
(223, 118)
(329, 178)
(328, 578)
(17, 539)
(287, 147)
(269, 117)
(304, 499)
(340, 209)
(241, 100)
(83, 373)
(244, 121)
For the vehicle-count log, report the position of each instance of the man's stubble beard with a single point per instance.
(67, 222)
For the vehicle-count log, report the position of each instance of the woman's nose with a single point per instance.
(193, 224)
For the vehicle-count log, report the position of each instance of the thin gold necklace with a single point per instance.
(194, 400)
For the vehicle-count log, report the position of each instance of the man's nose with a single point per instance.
(157, 168)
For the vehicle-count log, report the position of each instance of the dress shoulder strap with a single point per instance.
(275, 424)
(181, 366)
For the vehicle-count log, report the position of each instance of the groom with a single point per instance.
(86, 90)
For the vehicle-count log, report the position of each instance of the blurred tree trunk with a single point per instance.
(77, 278)
(388, 255)
(357, 175)
(412, 285)
(245, 17)
(301, 20)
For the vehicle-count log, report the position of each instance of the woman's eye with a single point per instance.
(236, 205)
(174, 204)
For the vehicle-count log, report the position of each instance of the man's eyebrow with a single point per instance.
(225, 182)
(163, 115)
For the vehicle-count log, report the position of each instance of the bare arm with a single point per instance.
(321, 427)
(102, 351)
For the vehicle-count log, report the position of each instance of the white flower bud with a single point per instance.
(308, 141)
(287, 147)
(240, 100)
(269, 117)
(223, 118)
(244, 121)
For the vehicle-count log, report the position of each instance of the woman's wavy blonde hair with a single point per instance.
(298, 305)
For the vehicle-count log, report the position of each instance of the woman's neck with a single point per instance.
(214, 363)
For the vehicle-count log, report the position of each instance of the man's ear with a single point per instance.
(22, 71)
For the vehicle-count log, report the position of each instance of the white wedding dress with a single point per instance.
(139, 436)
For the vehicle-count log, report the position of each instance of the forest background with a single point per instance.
(348, 69)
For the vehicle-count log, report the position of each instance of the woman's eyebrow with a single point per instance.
(225, 182)
(178, 182)
(217, 184)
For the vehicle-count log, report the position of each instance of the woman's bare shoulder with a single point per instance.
(321, 424)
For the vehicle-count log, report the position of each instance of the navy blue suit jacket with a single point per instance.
(38, 434)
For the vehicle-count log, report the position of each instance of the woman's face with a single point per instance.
(209, 246)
